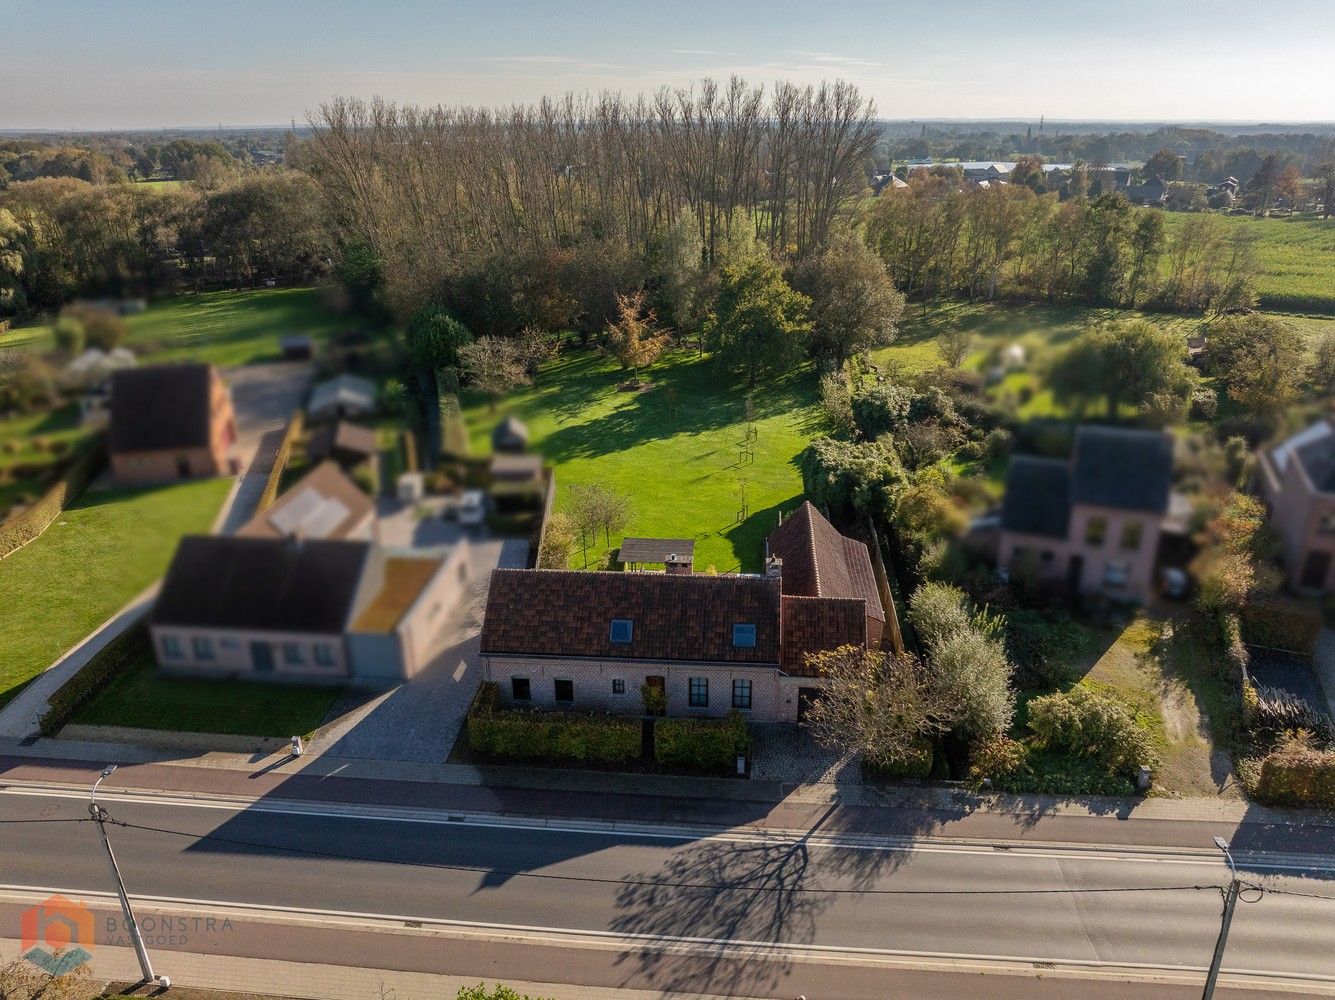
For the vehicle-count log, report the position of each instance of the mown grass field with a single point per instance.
(1296, 257)
(682, 464)
(38, 444)
(102, 551)
(225, 328)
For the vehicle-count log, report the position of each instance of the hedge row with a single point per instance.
(114, 658)
(23, 527)
(708, 745)
(280, 460)
(554, 736)
(1295, 775)
(1282, 624)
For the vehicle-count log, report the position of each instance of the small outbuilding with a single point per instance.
(324, 503)
(297, 347)
(675, 555)
(342, 397)
(346, 443)
(510, 435)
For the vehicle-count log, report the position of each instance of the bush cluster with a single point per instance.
(916, 764)
(1297, 774)
(1083, 723)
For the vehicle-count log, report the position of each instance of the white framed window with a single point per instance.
(741, 694)
(324, 654)
(697, 692)
(171, 647)
(202, 646)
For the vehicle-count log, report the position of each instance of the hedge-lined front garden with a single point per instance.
(689, 746)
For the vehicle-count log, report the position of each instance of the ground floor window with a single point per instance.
(564, 689)
(324, 654)
(292, 653)
(171, 647)
(698, 692)
(519, 689)
(618, 685)
(203, 647)
(1115, 574)
(741, 694)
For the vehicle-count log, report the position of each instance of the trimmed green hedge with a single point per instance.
(537, 735)
(917, 764)
(1282, 624)
(701, 744)
(23, 527)
(115, 658)
(1296, 775)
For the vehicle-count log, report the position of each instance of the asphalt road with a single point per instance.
(640, 895)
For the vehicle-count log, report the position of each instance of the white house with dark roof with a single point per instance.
(1093, 520)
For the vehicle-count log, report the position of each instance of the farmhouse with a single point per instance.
(170, 422)
(1298, 481)
(1093, 520)
(313, 611)
(709, 644)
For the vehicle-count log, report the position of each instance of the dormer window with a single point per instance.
(623, 630)
(744, 635)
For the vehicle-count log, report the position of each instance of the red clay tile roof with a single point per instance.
(820, 562)
(815, 624)
(676, 617)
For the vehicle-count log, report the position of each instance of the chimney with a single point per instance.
(774, 568)
(678, 565)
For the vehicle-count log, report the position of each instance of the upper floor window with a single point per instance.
(1096, 530)
(744, 635)
(1131, 532)
(623, 630)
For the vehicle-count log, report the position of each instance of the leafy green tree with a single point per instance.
(1125, 363)
(634, 338)
(69, 335)
(432, 342)
(677, 266)
(1146, 244)
(1165, 165)
(758, 324)
(854, 303)
(1261, 359)
(13, 299)
(844, 478)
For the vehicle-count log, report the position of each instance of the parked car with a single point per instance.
(1174, 583)
(472, 508)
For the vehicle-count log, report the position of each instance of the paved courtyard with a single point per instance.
(418, 721)
(789, 754)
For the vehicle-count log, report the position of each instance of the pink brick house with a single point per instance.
(170, 422)
(1297, 478)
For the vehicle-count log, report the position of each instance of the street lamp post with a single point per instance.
(1230, 903)
(99, 817)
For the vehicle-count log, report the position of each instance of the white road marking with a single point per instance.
(1251, 860)
(680, 944)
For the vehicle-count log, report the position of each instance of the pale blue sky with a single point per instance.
(146, 63)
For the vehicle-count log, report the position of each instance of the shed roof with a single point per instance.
(345, 390)
(342, 436)
(324, 503)
(655, 550)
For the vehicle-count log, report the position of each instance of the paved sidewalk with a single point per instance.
(272, 978)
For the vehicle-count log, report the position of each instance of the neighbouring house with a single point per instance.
(1298, 481)
(324, 503)
(510, 435)
(344, 442)
(170, 422)
(675, 555)
(342, 397)
(1093, 520)
(709, 644)
(1153, 192)
(303, 610)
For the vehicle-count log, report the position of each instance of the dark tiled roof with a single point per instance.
(159, 407)
(1123, 469)
(1038, 496)
(686, 617)
(329, 483)
(218, 581)
(815, 624)
(655, 550)
(510, 431)
(1318, 458)
(342, 436)
(820, 562)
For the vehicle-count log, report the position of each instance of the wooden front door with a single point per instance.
(1315, 571)
(658, 685)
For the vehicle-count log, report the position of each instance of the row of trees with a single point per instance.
(436, 191)
(62, 237)
(940, 238)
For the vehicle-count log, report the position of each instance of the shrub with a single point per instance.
(69, 335)
(1297, 774)
(537, 735)
(1204, 403)
(997, 757)
(938, 610)
(917, 763)
(115, 658)
(882, 409)
(705, 745)
(1280, 624)
(1086, 724)
(499, 992)
(998, 443)
(973, 668)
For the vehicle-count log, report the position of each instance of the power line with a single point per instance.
(50, 819)
(666, 884)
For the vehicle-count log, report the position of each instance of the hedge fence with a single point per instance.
(1295, 775)
(21, 528)
(701, 745)
(1279, 623)
(280, 460)
(113, 659)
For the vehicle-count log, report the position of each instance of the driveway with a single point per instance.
(264, 398)
(419, 720)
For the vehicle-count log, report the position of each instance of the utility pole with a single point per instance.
(100, 817)
(1230, 903)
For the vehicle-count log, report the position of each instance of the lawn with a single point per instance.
(1295, 256)
(140, 698)
(40, 442)
(102, 551)
(680, 459)
(225, 328)
(1156, 665)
